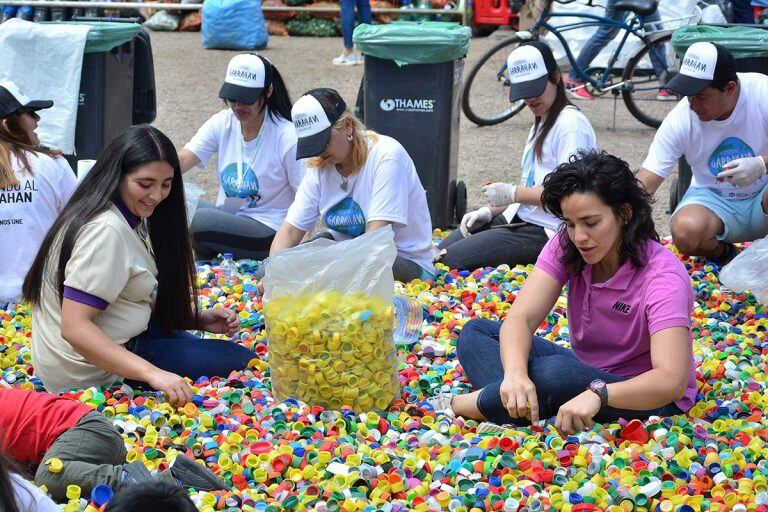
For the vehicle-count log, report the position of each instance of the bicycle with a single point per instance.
(488, 102)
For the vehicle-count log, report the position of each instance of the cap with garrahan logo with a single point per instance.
(12, 100)
(313, 117)
(247, 76)
(703, 64)
(528, 66)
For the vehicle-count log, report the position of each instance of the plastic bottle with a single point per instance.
(92, 12)
(111, 12)
(9, 11)
(40, 14)
(58, 13)
(229, 267)
(408, 319)
(407, 6)
(424, 4)
(25, 12)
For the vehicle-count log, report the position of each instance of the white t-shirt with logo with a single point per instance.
(387, 188)
(27, 211)
(709, 145)
(270, 175)
(570, 134)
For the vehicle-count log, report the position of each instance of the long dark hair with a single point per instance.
(610, 179)
(279, 102)
(15, 141)
(561, 101)
(7, 489)
(171, 242)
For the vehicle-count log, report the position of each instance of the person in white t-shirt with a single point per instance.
(255, 143)
(35, 183)
(357, 181)
(515, 227)
(18, 494)
(721, 128)
(113, 285)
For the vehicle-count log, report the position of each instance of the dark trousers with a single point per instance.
(555, 371)
(92, 453)
(494, 245)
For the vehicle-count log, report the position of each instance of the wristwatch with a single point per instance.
(599, 387)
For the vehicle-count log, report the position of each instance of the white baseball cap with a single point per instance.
(313, 117)
(12, 100)
(247, 76)
(703, 64)
(529, 66)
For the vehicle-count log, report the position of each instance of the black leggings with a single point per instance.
(217, 232)
(493, 245)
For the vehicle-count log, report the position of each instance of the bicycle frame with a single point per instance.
(634, 25)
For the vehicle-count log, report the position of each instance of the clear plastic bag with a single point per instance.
(329, 319)
(747, 271)
(192, 194)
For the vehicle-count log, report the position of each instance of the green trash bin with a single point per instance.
(411, 91)
(748, 45)
(117, 85)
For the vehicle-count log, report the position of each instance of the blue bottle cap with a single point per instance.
(101, 494)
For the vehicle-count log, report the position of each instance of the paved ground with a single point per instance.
(188, 79)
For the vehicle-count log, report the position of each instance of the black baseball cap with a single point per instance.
(703, 64)
(12, 100)
(529, 66)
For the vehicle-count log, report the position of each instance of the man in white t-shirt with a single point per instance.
(721, 127)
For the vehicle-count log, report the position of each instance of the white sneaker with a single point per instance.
(442, 403)
(361, 59)
(345, 60)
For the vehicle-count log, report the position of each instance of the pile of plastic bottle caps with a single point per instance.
(289, 455)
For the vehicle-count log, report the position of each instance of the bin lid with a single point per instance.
(742, 42)
(414, 42)
(105, 35)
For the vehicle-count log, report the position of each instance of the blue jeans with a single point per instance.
(187, 355)
(605, 34)
(348, 17)
(555, 371)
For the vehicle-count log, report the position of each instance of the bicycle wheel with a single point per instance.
(642, 91)
(485, 98)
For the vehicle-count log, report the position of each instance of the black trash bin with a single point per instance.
(411, 92)
(751, 55)
(117, 86)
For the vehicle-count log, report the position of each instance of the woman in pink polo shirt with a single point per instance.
(629, 315)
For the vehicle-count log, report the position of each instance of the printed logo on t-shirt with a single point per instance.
(247, 188)
(730, 149)
(622, 307)
(346, 217)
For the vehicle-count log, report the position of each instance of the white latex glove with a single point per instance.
(500, 194)
(475, 219)
(743, 171)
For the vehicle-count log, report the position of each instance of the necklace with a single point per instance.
(344, 181)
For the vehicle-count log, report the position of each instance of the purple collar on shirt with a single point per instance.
(133, 220)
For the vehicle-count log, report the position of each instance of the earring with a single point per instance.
(349, 137)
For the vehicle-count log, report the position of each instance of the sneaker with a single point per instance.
(345, 60)
(192, 474)
(135, 473)
(442, 403)
(730, 252)
(577, 89)
(487, 427)
(665, 95)
(361, 59)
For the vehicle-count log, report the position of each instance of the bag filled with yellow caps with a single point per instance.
(329, 320)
